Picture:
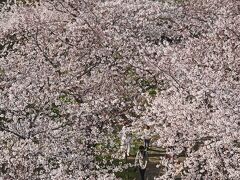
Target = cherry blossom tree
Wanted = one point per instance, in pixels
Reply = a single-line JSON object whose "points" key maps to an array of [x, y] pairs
{"points": [[198, 113], [71, 71]]}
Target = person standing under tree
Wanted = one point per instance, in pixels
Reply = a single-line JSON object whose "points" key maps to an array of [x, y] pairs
{"points": [[147, 137], [141, 161], [126, 139]]}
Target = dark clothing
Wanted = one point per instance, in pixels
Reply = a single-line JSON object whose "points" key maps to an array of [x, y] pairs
{"points": [[141, 162], [142, 172], [146, 143]]}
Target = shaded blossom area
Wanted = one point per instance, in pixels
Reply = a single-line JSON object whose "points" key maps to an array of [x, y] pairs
{"points": [[73, 73]]}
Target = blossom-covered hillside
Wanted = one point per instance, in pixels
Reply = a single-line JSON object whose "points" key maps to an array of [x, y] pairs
{"points": [[72, 72]]}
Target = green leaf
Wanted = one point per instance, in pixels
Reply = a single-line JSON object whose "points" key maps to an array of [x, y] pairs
{"points": [[152, 92]]}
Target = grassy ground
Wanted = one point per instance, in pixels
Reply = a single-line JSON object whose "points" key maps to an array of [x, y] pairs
{"points": [[132, 173], [152, 170]]}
